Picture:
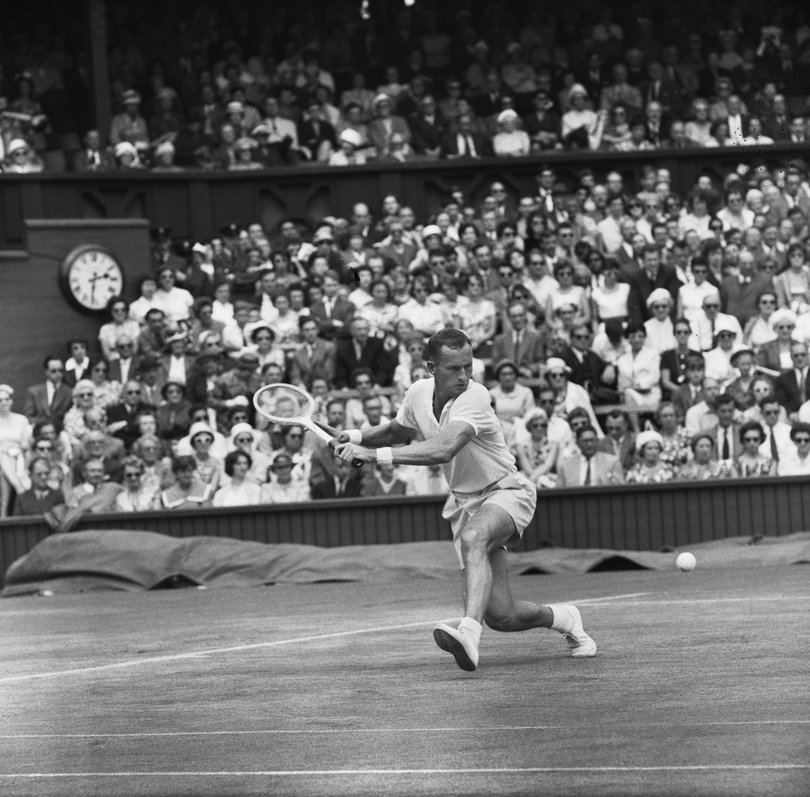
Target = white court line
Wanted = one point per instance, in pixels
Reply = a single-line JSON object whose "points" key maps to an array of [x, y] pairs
{"points": [[286, 773], [349, 731], [615, 600]]}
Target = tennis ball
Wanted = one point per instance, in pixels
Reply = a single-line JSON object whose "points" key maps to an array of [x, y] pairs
{"points": [[686, 561], [46, 593]]}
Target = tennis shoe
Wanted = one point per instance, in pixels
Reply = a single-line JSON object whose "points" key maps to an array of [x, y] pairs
{"points": [[568, 621], [461, 646]]}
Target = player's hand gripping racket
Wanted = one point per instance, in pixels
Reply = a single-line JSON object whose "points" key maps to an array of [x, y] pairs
{"points": [[288, 405]]}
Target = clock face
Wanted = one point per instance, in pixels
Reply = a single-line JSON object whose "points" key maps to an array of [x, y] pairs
{"points": [[92, 276]]}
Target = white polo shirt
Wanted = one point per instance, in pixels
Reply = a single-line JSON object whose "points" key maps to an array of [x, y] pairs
{"points": [[486, 458]]}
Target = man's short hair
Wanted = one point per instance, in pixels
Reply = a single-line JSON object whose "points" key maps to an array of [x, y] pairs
{"points": [[453, 339], [694, 361], [588, 427], [723, 399]]}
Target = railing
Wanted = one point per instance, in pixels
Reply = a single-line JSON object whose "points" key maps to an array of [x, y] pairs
{"points": [[625, 517], [196, 204]]}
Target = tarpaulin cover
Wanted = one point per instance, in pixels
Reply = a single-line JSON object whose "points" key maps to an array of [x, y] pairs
{"points": [[142, 560]]}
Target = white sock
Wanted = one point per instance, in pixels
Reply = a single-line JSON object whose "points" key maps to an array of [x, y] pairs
{"points": [[470, 627], [561, 621]]}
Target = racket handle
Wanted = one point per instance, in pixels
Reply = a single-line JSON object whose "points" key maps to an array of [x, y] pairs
{"points": [[356, 463]]}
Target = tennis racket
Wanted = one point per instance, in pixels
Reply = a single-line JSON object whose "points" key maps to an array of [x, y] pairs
{"points": [[288, 405]]}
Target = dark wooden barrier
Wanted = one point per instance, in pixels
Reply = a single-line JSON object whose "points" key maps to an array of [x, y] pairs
{"points": [[196, 204], [626, 517]]}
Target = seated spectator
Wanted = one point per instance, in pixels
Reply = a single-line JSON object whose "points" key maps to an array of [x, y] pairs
{"points": [[175, 302], [567, 395], [699, 128], [92, 157], [384, 481], [509, 140], [704, 466], [793, 284], [742, 361], [520, 344], [510, 399], [122, 418], [660, 329], [651, 468], [791, 386], [41, 497], [83, 401], [796, 460], [187, 492], [608, 296], [363, 383], [581, 127], [138, 494], [240, 491], [281, 487], [588, 369], [99, 445], [751, 462], [775, 355], [676, 450], [639, 376], [568, 293], [245, 438], [164, 158], [693, 292], [758, 330], [424, 314], [120, 325], [619, 440], [21, 159], [208, 468], [535, 453], [345, 483], [718, 359], [362, 351], [586, 466], [78, 363], [173, 416]]}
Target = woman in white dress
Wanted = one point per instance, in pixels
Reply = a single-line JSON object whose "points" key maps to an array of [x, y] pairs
{"points": [[759, 331], [509, 141], [660, 329], [241, 491], [639, 375], [380, 312], [609, 296], [285, 324], [15, 441], [479, 317], [568, 293], [424, 314]]}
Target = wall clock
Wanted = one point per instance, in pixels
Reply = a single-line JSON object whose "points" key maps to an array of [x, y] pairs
{"points": [[90, 276]]}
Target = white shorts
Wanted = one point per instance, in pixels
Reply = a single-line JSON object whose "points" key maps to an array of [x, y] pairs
{"points": [[514, 493]]}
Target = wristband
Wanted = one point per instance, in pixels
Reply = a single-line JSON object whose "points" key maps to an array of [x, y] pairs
{"points": [[355, 436], [385, 456]]}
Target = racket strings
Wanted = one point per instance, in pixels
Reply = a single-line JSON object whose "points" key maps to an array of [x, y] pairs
{"points": [[284, 403]]}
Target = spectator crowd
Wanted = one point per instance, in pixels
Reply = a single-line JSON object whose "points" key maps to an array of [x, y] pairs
{"points": [[627, 334], [242, 86]]}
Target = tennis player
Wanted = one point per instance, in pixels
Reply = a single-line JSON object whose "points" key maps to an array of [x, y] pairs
{"points": [[450, 420]]}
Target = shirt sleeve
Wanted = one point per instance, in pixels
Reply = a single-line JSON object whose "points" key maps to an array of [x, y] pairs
{"points": [[406, 415]]}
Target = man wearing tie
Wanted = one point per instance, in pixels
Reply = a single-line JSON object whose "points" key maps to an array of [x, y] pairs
{"points": [[777, 441], [521, 345], [122, 418], [790, 387], [362, 351], [465, 142], [333, 313], [726, 432], [50, 401], [93, 158], [588, 467]]}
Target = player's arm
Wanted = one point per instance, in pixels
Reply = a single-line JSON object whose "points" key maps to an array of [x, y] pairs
{"points": [[386, 434], [436, 451]]}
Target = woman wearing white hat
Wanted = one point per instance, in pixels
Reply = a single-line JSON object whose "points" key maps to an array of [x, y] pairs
{"points": [[775, 355], [536, 455], [509, 140], [349, 153], [660, 330], [718, 359], [650, 469]]}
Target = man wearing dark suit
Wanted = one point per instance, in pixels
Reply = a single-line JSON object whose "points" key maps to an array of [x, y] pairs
{"points": [[315, 357], [92, 157], [588, 368], [791, 387], [362, 351], [619, 440], [40, 498], [588, 467], [465, 142], [346, 483], [48, 402], [122, 418], [520, 344], [643, 281], [427, 128], [316, 136], [740, 291], [333, 313], [125, 366], [726, 432]]}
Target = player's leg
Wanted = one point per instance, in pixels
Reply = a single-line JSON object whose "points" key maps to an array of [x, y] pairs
{"points": [[504, 613], [490, 527]]}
